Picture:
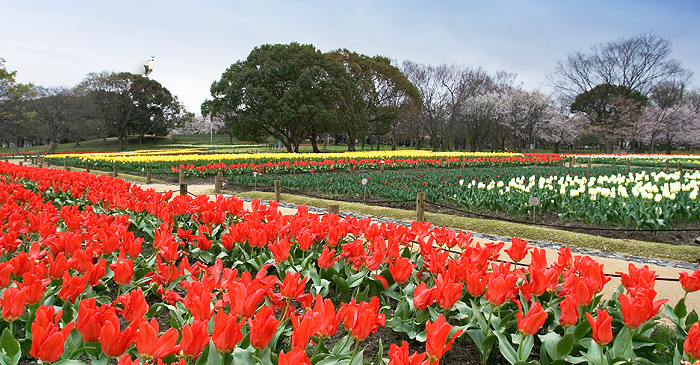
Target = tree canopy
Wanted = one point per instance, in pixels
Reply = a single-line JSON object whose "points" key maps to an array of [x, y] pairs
{"points": [[294, 92]]}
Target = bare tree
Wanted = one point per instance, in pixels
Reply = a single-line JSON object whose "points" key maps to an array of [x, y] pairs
{"points": [[54, 110], [638, 63]]}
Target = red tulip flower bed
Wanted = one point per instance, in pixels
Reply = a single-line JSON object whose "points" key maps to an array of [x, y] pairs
{"points": [[95, 268]]}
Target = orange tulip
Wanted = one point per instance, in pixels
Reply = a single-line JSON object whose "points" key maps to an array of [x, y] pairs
{"points": [[227, 331], [533, 320], [602, 327], [690, 282], [691, 346], [47, 339], [262, 327], [437, 342]]}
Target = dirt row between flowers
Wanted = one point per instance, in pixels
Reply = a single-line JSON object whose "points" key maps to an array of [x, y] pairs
{"points": [[667, 285]]}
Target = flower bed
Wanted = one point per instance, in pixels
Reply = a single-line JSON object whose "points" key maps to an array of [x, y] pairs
{"points": [[200, 164], [95, 268]]}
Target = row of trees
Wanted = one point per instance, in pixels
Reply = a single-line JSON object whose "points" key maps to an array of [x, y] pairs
{"points": [[627, 94], [103, 105]]}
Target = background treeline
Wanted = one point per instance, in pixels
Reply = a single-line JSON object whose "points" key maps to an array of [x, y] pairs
{"points": [[625, 95]]}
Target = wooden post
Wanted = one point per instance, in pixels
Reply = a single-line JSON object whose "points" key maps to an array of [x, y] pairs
{"points": [[420, 206], [381, 168], [33, 160], [666, 165], [183, 189], [629, 163], [680, 166], [218, 182], [65, 164], [149, 175], [20, 163], [41, 162], [500, 164], [181, 175], [87, 167], [115, 171], [334, 208], [614, 161], [48, 163], [590, 162], [278, 191], [571, 161], [462, 164]]}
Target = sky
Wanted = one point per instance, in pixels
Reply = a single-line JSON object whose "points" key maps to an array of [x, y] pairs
{"points": [[57, 43]]}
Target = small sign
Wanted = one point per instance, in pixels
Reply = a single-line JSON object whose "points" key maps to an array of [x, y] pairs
{"points": [[534, 201]]}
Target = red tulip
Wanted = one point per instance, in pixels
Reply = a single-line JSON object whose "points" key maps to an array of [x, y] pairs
{"points": [[280, 250], [422, 296], [398, 355], [362, 318], [262, 327], [518, 249], [448, 292], [135, 305], [123, 269], [638, 278], [47, 339], [401, 269], [690, 283], [476, 284], [691, 346], [150, 346], [500, 289], [198, 301], [90, 320], [114, 341], [304, 327], [295, 356], [13, 302], [602, 327], [326, 319], [569, 311], [327, 258], [194, 338], [227, 331], [533, 320], [72, 287], [438, 339], [640, 308]]}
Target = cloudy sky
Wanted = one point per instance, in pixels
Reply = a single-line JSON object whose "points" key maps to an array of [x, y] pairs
{"points": [[56, 43]]}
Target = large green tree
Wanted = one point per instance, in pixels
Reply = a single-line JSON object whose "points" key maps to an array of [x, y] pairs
{"points": [[374, 96], [13, 97], [283, 90], [605, 105], [128, 103]]}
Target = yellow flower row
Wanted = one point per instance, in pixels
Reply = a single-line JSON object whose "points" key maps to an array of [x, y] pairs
{"points": [[191, 155]]}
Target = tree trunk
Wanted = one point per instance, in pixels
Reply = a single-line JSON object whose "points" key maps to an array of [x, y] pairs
{"points": [[16, 146], [52, 150], [140, 138], [556, 147], [314, 145], [77, 144], [104, 143]]}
